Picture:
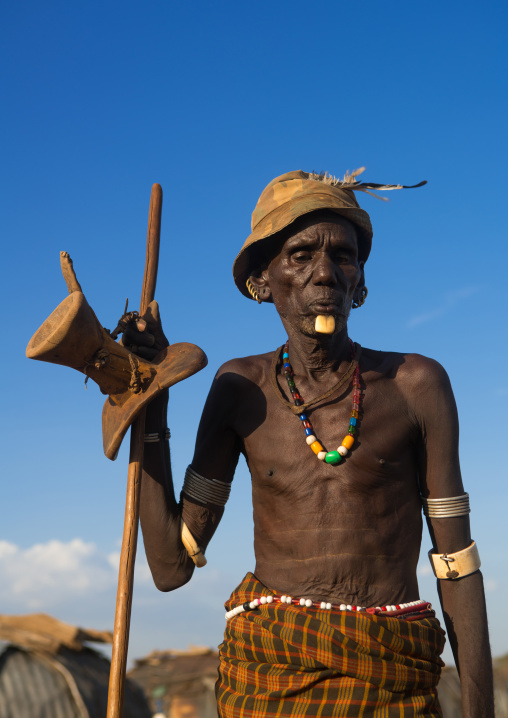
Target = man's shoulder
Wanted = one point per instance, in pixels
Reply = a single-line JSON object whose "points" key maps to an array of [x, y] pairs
{"points": [[255, 368], [414, 371]]}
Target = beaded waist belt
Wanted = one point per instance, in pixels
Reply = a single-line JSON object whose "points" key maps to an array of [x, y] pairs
{"points": [[414, 610]]}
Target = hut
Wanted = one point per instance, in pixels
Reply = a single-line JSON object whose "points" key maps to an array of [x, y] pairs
{"points": [[47, 671], [179, 684]]}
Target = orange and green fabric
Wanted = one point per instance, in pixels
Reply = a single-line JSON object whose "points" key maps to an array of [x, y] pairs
{"points": [[284, 660]]}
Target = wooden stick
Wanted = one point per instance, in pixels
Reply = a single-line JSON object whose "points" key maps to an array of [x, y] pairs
{"points": [[153, 238], [130, 529]]}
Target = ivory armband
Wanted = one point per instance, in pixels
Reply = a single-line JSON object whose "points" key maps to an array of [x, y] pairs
{"points": [[455, 565]]}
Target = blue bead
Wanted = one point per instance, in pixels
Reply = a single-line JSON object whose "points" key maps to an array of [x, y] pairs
{"points": [[352, 421], [302, 417], [285, 355], [287, 366], [308, 432]]}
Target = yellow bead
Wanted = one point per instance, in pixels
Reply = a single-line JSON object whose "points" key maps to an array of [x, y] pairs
{"points": [[316, 447], [354, 413], [348, 441]]}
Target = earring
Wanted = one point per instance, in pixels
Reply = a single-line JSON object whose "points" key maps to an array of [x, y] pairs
{"points": [[252, 291], [361, 299]]}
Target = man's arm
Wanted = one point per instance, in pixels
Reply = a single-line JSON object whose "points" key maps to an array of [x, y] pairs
{"points": [[462, 600], [215, 457]]}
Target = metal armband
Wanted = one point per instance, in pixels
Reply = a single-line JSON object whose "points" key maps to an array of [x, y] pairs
{"points": [[455, 565], [446, 508], [206, 491]]}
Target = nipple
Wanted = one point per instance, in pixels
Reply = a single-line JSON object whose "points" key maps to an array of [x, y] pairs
{"points": [[325, 324]]}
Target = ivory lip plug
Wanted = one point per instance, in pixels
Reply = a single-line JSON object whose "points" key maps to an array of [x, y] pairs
{"points": [[325, 324]]}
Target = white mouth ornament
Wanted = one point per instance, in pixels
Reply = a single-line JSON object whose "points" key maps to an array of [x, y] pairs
{"points": [[325, 324]]}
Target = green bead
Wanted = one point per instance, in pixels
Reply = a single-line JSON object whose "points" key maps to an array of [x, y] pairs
{"points": [[291, 384], [351, 429], [333, 458]]}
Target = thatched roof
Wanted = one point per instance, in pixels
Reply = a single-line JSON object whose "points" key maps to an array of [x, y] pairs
{"points": [[40, 631]]}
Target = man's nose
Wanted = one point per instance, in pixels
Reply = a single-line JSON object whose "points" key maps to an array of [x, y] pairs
{"points": [[325, 270]]}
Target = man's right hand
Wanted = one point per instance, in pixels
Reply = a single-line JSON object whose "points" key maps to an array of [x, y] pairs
{"points": [[144, 335]]}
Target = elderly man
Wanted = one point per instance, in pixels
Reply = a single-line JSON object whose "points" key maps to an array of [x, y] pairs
{"points": [[344, 445]]}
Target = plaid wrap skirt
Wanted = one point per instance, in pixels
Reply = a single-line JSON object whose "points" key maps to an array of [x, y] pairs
{"points": [[287, 660]]}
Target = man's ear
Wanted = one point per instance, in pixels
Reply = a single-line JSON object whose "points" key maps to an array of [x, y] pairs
{"points": [[361, 291], [261, 286]]}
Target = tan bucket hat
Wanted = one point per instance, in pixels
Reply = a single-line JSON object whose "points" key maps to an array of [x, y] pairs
{"points": [[297, 193], [284, 200]]}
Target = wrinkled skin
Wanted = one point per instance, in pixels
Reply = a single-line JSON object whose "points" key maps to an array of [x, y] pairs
{"points": [[349, 533]]}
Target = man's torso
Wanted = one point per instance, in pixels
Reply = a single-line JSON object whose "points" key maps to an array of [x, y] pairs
{"points": [[351, 532]]}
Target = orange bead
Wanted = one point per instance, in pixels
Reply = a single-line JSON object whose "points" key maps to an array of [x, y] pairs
{"points": [[348, 441], [354, 413], [316, 447]]}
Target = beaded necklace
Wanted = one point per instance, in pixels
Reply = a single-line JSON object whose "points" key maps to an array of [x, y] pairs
{"points": [[330, 457]]}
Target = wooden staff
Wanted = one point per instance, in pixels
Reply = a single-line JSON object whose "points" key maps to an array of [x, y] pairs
{"points": [[130, 528]]}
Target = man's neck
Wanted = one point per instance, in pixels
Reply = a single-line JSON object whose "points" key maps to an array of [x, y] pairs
{"points": [[318, 356]]}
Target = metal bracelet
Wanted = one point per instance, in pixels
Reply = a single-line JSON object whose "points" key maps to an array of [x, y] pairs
{"points": [[446, 508], [206, 491], [157, 436]]}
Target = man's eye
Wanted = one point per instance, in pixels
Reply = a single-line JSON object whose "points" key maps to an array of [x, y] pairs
{"points": [[301, 257]]}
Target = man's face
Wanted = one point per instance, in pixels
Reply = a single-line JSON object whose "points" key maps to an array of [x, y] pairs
{"points": [[316, 272]]}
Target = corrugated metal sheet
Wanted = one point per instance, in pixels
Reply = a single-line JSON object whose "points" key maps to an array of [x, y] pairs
{"points": [[68, 684], [31, 689]]}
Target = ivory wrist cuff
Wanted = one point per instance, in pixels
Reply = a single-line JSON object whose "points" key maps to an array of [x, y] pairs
{"points": [[455, 565], [191, 546]]}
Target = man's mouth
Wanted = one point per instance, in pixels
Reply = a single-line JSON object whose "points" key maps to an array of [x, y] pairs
{"points": [[324, 307]]}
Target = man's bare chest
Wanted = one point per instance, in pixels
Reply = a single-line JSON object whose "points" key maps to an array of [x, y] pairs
{"points": [[382, 456]]}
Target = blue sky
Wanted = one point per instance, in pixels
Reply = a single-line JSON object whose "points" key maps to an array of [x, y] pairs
{"points": [[213, 100]]}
